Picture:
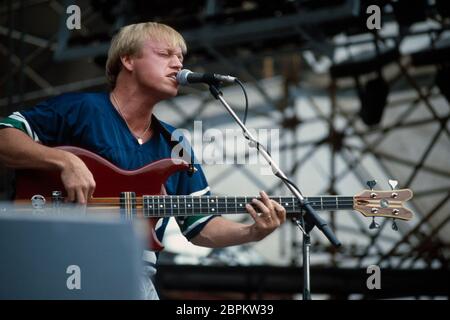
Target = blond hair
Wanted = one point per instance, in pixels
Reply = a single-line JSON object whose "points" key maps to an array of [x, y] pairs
{"points": [[129, 41]]}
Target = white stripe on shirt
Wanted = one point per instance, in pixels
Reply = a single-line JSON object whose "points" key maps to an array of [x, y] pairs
{"points": [[196, 223], [19, 117], [200, 193]]}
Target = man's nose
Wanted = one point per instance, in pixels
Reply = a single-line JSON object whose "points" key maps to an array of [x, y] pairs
{"points": [[176, 62]]}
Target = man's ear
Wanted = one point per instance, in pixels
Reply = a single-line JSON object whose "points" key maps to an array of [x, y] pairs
{"points": [[127, 62]]}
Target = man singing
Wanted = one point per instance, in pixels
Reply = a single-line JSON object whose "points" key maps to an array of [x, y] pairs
{"points": [[119, 125]]}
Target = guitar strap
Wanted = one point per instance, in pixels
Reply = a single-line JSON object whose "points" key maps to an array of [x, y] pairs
{"points": [[173, 143]]}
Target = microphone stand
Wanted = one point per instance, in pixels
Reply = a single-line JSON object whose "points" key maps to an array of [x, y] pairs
{"points": [[308, 219]]}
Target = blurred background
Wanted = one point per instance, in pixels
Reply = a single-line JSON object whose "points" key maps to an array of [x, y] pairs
{"points": [[352, 104]]}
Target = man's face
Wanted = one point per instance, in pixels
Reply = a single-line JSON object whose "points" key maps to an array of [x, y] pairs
{"points": [[156, 67]]}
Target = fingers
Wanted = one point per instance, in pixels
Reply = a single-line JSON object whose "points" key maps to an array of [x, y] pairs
{"points": [[77, 180], [280, 211], [271, 215], [81, 196], [266, 207], [71, 195], [252, 212], [259, 218], [91, 189], [270, 211], [86, 192], [266, 200], [80, 192], [262, 208]]}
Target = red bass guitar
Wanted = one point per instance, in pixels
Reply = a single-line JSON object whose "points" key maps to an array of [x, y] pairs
{"points": [[141, 193]]}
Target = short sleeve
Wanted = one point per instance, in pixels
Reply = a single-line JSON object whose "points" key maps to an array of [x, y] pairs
{"points": [[17, 120], [195, 185], [52, 122]]}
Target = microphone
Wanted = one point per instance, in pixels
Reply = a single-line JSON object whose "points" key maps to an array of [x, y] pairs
{"points": [[186, 77]]}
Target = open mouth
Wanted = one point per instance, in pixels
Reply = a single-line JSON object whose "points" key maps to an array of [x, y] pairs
{"points": [[173, 76]]}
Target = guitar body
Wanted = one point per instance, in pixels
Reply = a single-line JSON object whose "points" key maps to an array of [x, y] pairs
{"points": [[110, 181]]}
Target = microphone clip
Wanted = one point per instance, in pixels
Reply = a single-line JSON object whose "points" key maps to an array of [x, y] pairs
{"points": [[214, 88]]}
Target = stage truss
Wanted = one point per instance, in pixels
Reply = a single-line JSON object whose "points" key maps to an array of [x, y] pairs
{"points": [[417, 117]]}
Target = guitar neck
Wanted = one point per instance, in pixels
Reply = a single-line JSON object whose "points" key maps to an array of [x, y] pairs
{"points": [[44, 187], [168, 206]]}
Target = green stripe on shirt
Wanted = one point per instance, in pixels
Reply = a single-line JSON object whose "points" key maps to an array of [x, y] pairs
{"points": [[13, 123]]}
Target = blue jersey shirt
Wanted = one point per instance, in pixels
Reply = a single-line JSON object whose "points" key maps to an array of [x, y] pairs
{"points": [[90, 121]]}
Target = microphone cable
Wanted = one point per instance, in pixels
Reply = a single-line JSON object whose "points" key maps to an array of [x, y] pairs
{"points": [[246, 100], [258, 146]]}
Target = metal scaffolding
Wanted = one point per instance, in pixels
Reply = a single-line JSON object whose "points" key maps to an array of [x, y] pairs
{"points": [[254, 45]]}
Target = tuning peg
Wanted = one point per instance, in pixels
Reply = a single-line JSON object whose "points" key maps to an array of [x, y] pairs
{"points": [[393, 184], [374, 224], [394, 226], [371, 183]]}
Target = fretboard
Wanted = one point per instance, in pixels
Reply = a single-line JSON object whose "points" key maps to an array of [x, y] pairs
{"points": [[168, 206]]}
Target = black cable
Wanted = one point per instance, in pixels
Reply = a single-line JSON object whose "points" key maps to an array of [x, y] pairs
{"points": [[246, 100], [258, 146], [307, 222]]}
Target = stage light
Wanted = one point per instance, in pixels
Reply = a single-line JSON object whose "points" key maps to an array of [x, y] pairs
{"points": [[373, 95], [373, 100], [443, 81]]}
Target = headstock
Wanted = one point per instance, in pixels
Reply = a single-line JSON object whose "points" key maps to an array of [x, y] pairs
{"points": [[381, 203]]}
